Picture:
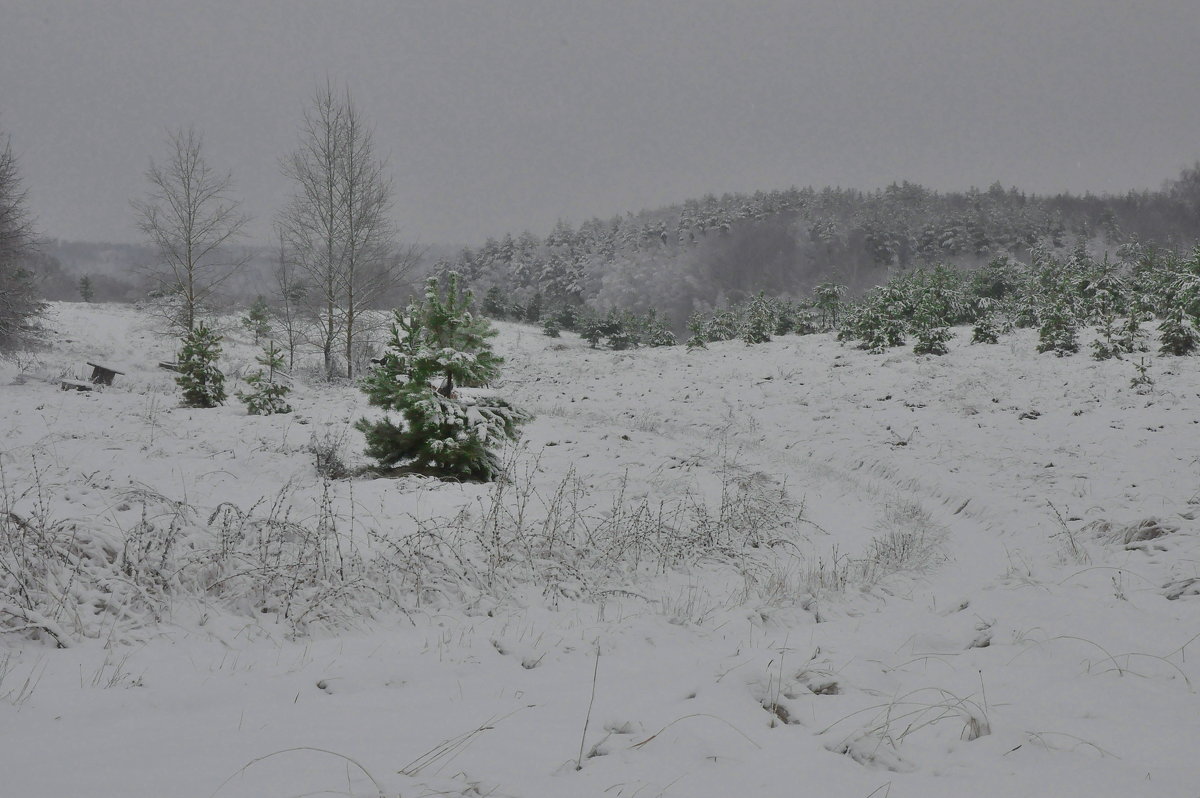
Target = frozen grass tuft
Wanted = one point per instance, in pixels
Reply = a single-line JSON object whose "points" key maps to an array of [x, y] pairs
{"points": [[62, 579]]}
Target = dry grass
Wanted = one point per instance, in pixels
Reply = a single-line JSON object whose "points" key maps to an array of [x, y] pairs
{"points": [[306, 564]]}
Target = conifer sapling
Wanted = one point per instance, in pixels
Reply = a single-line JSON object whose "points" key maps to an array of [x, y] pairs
{"points": [[202, 382], [268, 389], [445, 434]]}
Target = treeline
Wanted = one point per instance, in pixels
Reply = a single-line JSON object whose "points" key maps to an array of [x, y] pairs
{"points": [[716, 251], [1123, 303]]}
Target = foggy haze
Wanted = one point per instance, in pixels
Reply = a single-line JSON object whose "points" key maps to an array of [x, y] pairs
{"points": [[499, 117]]}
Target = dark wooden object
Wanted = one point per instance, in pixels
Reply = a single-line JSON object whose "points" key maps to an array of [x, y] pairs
{"points": [[103, 375]]}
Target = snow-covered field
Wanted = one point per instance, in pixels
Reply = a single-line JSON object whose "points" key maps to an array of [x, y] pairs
{"points": [[788, 569]]}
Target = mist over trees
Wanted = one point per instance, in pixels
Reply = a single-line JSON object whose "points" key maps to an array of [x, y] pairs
{"points": [[338, 256], [714, 251]]}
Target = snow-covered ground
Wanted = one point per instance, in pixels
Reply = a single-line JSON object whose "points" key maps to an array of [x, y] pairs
{"points": [[913, 576]]}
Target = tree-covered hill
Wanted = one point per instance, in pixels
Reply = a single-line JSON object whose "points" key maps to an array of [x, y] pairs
{"points": [[704, 253]]}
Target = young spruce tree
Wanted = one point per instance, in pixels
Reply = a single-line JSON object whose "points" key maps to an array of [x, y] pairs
{"points": [[268, 392], [202, 382], [439, 339]]}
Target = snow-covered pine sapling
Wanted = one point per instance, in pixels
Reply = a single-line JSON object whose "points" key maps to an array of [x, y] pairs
{"points": [[723, 326], [550, 327], [879, 321], [929, 328], [268, 388], [1107, 343], [495, 303], [86, 290], [1177, 333], [592, 329], [697, 327], [659, 335], [443, 434], [654, 332], [202, 382], [760, 320], [621, 338], [827, 299], [986, 330], [1059, 332], [1142, 382], [258, 319]]}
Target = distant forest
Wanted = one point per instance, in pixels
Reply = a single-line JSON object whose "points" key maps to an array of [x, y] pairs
{"points": [[710, 252]]}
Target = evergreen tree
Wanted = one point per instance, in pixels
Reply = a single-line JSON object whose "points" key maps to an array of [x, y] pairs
{"points": [[697, 326], [723, 326], [258, 319], [592, 329], [567, 317], [828, 302], [533, 311], [655, 332], [550, 327], [1059, 332], [760, 321], [86, 291], [495, 304], [1107, 344], [1142, 382], [268, 393], [929, 328], [202, 382], [1177, 334], [20, 305], [985, 331], [1132, 336], [880, 320], [441, 434]]}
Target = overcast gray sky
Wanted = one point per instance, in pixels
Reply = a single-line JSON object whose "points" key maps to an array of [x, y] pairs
{"points": [[501, 116]]}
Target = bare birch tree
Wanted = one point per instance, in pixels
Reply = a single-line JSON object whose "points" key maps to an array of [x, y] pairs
{"points": [[290, 295], [338, 224], [190, 217]]}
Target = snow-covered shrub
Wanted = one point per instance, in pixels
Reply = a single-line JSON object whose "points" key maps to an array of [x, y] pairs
{"points": [[329, 454], [879, 320], [1177, 334], [760, 320], [1059, 331], [698, 328], [986, 330], [930, 328], [257, 320], [202, 382], [441, 433], [268, 388]]}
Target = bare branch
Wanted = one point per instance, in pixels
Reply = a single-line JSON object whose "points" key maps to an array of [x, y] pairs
{"points": [[190, 217]]}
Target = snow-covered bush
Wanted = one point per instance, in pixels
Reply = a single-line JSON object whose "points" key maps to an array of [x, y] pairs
{"points": [[1059, 331], [441, 433], [268, 389], [760, 320], [202, 382], [1177, 334]]}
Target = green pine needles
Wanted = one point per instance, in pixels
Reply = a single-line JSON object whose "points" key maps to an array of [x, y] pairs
{"points": [[439, 340], [202, 382], [268, 390]]}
